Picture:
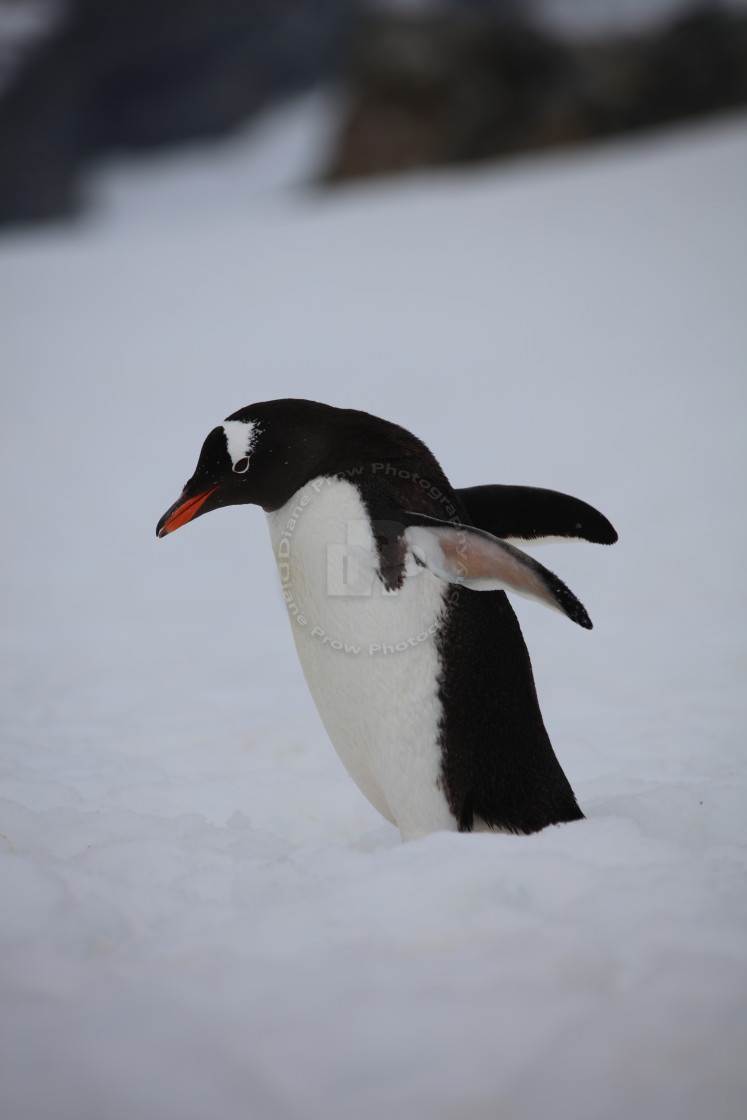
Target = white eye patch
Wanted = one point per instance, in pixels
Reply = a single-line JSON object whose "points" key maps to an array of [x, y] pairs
{"points": [[241, 436]]}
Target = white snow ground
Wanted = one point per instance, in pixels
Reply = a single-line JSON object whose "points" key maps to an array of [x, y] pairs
{"points": [[200, 915]]}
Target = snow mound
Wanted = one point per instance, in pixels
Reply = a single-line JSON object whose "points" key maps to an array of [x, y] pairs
{"points": [[201, 916]]}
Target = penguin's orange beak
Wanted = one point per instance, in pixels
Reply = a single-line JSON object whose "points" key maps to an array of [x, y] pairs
{"points": [[181, 512]]}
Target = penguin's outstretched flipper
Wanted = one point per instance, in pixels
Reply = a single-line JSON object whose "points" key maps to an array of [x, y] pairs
{"points": [[535, 516], [475, 559]]}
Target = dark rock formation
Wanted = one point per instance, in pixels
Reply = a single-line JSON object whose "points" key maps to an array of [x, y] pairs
{"points": [[143, 73], [475, 80], [446, 89]]}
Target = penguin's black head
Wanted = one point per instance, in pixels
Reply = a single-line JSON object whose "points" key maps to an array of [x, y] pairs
{"points": [[260, 455]]}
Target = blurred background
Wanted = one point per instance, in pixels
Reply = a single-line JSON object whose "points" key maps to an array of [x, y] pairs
{"points": [[416, 83]]}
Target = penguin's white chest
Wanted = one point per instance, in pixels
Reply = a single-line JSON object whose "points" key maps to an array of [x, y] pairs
{"points": [[369, 655]]}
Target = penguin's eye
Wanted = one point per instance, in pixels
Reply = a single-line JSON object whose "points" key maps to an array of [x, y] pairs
{"points": [[241, 466]]}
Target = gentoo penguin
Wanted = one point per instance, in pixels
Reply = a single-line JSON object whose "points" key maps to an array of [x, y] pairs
{"points": [[395, 586]]}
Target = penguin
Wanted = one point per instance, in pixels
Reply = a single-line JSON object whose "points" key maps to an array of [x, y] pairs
{"points": [[396, 585]]}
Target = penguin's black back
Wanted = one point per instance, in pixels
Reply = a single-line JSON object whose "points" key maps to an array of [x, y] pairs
{"points": [[498, 762]]}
